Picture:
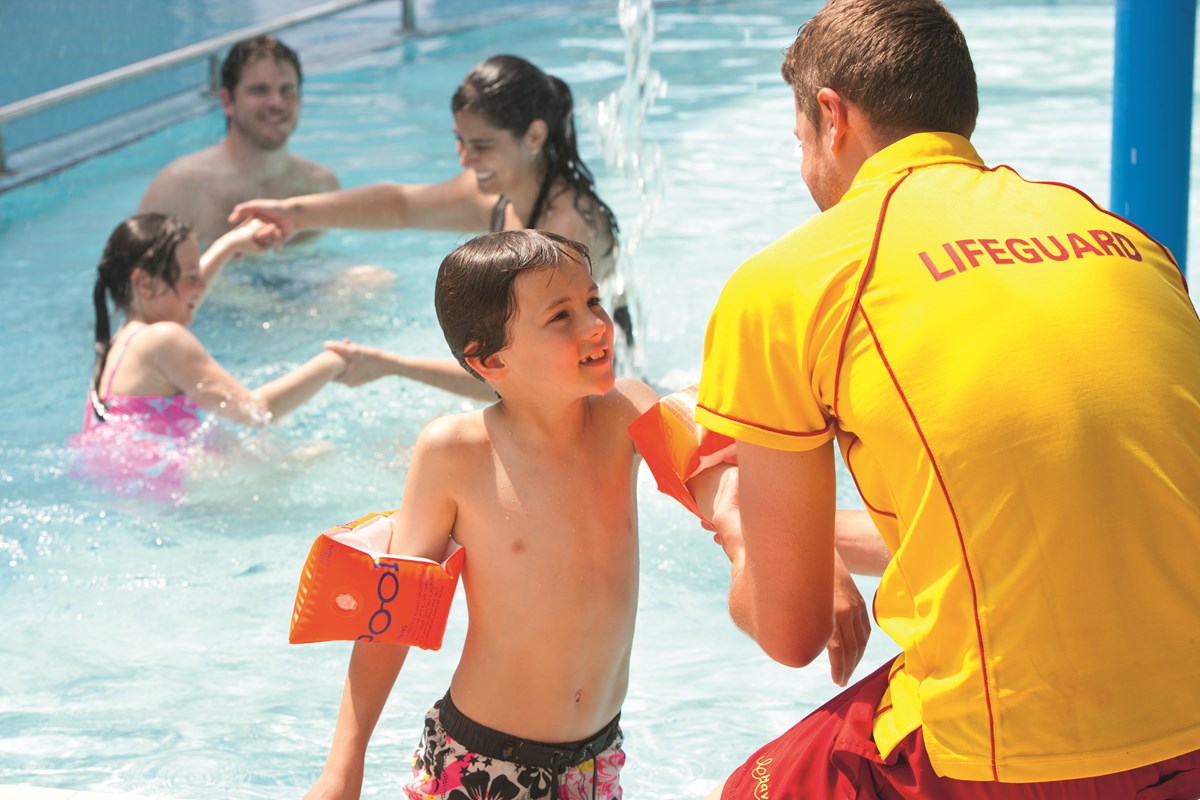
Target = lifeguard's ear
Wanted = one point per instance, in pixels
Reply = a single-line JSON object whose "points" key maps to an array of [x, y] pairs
{"points": [[490, 368], [535, 135], [226, 101], [835, 118]]}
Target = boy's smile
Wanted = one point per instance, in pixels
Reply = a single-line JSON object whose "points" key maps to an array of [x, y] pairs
{"points": [[560, 333]]}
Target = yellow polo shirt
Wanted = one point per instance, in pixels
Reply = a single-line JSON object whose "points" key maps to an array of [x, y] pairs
{"points": [[1013, 378]]}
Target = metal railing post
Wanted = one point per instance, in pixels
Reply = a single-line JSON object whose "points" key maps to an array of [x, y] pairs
{"points": [[3, 164], [214, 73], [408, 22]]}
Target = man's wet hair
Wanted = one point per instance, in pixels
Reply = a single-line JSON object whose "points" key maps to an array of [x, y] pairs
{"points": [[247, 51]]}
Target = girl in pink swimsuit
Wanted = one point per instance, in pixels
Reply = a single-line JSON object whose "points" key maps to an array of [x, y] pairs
{"points": [[146, 409]]}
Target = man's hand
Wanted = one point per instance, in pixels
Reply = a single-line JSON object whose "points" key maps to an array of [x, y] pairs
{"points": [[851, 625], [276, 212]]}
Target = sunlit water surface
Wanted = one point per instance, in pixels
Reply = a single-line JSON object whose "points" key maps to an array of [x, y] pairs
{"points": [[143, 647]]}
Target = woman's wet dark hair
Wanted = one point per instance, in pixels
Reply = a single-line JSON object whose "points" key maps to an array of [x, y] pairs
{"points": [[147, 241], [474, 295], [510, 93]]}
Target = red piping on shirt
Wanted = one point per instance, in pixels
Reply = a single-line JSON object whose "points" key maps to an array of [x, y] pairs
{"points": [[856, 308], [854, 478], [766, 428]]}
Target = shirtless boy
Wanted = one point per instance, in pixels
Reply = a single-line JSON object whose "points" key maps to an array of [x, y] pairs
{"points": [[540, 490], [260, 94]]}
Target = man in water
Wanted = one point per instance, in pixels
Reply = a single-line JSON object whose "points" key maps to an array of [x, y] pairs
{"points": [[260, 95]]}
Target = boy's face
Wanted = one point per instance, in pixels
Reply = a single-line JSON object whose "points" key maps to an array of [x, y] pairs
{"points": [[560, 336]]}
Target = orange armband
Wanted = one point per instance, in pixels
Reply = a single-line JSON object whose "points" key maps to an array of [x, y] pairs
{"points": [[351, 589], [676, 448]]}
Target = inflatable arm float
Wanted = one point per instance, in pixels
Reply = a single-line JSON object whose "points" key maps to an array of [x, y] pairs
{"points": [[351, 589], [676, 448]]}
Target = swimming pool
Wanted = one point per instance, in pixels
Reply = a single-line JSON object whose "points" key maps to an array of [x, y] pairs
{"points": [[143, 647]]}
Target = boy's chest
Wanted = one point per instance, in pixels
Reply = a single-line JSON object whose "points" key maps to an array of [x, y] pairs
{"points": [[554, 507]]}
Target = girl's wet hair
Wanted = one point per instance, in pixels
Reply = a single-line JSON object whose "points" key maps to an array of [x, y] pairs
{"points": [[147, 241], [475, 297], [510, 93]]}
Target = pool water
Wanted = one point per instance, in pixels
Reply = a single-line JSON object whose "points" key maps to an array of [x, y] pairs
{"points": [[143, 647]]}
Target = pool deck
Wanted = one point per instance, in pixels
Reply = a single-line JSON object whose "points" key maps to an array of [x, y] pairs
{"points": [[21, 792]]}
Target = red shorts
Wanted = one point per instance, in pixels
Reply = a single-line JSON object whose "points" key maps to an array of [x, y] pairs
{"points": [[830, 754]]}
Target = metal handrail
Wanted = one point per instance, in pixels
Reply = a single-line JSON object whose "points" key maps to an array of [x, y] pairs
{"points": [[149, 66]]}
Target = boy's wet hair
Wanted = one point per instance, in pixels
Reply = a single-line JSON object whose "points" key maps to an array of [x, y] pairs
{"points": [[905, 63], [510, 93], [248, 51], [475, 297], [146, 241]]}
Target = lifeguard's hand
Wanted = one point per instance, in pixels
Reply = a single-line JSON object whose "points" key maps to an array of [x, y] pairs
{"points": [[276, 212], [851, 625], [363, 364]]}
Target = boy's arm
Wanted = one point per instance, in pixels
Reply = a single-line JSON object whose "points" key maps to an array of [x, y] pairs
{"points": [[420, 527], [369, 680]]}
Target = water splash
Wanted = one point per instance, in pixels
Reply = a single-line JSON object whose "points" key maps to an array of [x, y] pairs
{"points": [[619, 120]]}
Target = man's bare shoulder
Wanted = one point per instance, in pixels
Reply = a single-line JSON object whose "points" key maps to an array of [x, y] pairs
{"points": [[311, 177], [180, 187], [197, 166]]}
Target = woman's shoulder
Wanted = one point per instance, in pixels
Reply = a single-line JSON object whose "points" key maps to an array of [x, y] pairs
{"points": [[578, 215]]}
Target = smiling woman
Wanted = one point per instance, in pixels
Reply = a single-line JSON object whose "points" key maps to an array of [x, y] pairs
{"points": [[521, 169]]}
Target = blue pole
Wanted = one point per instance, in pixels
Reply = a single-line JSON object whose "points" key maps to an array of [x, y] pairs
{"points": [[1152, 117]]}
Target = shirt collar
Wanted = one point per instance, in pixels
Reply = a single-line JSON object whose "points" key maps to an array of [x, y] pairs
{"points": [[916, 150]]}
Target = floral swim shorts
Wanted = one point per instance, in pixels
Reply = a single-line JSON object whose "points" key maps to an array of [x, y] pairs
{"points": [[459, 759]]}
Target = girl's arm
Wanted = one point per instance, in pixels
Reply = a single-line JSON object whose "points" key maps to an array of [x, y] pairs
{"points": [[253, 236], [454, 205], [180, 357], [365, 364]]}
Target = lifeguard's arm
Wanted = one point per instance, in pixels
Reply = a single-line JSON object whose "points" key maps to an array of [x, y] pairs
{"points": [[782, 561], [180, 357], [365, 364], [859, 544], [453, 205], [855, 536], [420, 527]]}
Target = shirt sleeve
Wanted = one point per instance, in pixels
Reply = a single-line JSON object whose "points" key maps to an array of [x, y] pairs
{"points": [[764, 354]]}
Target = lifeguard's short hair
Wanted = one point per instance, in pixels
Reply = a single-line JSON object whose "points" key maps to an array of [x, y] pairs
{"points": [[904, 63]]}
